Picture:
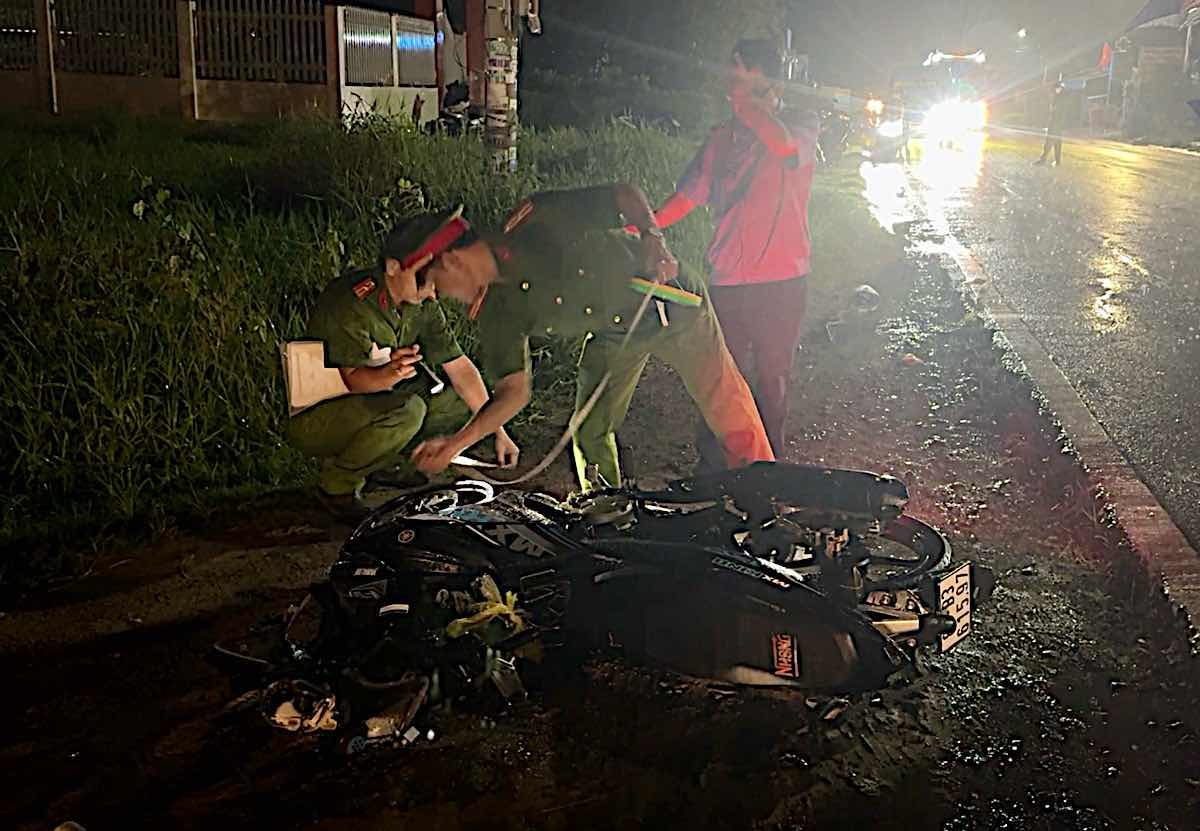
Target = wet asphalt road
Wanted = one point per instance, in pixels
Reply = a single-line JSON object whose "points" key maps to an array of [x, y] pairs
{"points": [[1101, 257]]}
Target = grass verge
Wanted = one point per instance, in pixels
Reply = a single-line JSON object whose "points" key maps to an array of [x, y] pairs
{"points": [[152, 269]]}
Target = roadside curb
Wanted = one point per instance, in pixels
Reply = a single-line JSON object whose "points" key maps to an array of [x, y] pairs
{"points": [[1162, 548]]}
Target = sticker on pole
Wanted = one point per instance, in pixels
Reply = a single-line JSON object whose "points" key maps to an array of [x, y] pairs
{"points": [[954, 599]]}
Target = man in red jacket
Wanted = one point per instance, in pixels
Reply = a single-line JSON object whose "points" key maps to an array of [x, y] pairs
{"points": [[755, 174]]}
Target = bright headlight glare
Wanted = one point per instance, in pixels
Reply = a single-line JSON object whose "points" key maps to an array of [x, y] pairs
{"points": [[955, 117], [980, 115], [891, 129]]}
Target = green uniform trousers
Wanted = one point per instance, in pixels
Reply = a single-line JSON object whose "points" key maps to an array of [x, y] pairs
{"points": [[693, 346], [360, 434]]}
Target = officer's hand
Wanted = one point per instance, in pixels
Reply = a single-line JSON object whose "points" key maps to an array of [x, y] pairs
{"points": [[432, 456], [507, 452], [658, 259], [403, 362]]}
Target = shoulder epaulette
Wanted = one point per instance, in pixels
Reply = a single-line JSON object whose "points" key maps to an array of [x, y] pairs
{"points": [[518, 217], [364, 287]]}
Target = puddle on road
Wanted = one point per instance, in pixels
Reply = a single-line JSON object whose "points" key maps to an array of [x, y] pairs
{"points": [[1117, 272]]}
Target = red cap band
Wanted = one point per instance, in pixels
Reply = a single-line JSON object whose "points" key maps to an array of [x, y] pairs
{"points": [[439, 241]]}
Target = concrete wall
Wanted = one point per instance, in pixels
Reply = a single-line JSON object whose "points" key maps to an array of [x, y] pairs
{"points": [[19, 91], [217, 100], [390, 100], [249, 100], [82, 92]]}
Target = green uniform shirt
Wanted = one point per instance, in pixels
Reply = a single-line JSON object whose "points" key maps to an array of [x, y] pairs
{"points": [[564, 272], [349, 318]]}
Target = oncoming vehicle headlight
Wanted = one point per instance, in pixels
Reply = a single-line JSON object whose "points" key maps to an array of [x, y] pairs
{"points": [[891, 129], [980, 115], [956, 117]]}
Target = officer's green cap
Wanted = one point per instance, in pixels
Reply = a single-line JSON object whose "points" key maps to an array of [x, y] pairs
{"points": [[427, 233]]}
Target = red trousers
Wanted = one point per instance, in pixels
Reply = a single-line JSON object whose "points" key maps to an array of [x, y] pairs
{"points": [[762, 324]]}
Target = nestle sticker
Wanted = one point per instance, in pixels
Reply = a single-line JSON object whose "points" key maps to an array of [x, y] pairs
{"points": [[783, 653]]}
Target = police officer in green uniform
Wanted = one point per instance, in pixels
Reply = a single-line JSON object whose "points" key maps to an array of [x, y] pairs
{"points": [[562, 266], [377, 326]]}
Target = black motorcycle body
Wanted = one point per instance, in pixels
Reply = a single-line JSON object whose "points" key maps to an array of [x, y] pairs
{"points": [[772, 575]]}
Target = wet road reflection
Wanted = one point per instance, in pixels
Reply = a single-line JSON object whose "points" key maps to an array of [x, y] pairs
{"points": [[1098, 257], [1117, 271], [944, 175], [946, 172]]}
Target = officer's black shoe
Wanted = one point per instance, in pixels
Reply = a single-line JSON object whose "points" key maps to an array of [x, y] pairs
{"points": [[396, 479], [346, 507]]}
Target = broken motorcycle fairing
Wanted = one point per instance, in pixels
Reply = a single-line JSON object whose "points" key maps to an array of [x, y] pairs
{"points": [[771, 575]]}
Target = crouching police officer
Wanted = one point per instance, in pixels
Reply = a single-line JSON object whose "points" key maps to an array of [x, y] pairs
{"points": [[562, 266], [377, 326]]}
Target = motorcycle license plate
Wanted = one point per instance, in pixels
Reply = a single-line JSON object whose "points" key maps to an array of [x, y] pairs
{"points": [[954, 599]]}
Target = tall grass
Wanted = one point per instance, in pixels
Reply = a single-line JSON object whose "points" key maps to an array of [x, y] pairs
{"points": [[150, 270]]}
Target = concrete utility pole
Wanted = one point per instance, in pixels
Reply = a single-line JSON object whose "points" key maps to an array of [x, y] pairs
{"points": [[492, 55], [500, 83]]}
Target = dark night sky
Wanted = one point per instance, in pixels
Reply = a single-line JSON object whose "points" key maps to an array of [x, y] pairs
{"points": [[854, 40], [860, 42]]}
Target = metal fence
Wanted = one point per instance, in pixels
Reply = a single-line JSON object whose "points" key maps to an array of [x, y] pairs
{"points": [[18, 35], [260, 40], [277, 41], [367, 40], [384, 50], [117, 37], [415, 40]]}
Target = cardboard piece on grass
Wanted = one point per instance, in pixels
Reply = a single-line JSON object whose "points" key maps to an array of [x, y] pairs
{"points": [[309, 381]]}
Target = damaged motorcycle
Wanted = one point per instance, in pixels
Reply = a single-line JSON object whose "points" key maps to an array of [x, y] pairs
{"points": [[772, 575]]}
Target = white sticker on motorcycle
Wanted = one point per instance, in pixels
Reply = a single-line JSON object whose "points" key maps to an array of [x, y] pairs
{"points": [[954, 599], [514, 540]]}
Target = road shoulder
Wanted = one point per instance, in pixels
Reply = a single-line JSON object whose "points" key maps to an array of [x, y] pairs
{"points": [[1158, 542]]}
